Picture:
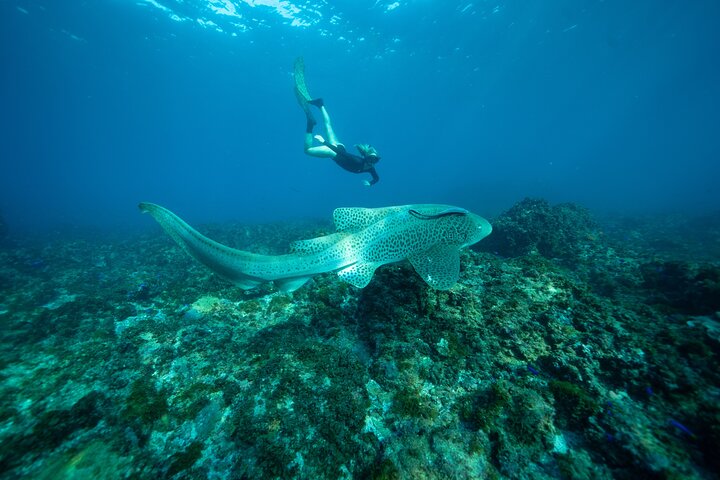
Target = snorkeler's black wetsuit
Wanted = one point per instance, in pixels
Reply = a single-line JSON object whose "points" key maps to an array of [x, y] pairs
{"points": [[354, 163]]}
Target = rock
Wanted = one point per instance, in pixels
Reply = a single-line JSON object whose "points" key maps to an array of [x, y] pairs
{"points": [[562, 231]]}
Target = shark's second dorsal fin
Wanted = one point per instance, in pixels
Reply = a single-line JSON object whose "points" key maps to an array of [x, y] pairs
{"points": [[439, 266], [290, 284], [314, 245]]}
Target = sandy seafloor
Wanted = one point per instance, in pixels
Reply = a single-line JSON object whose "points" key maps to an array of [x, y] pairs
{"points": [[572, 347]]}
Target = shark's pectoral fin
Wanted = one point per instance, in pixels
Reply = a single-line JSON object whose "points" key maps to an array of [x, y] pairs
{"points": [[290, 284], [439, 266], [358, 274]]}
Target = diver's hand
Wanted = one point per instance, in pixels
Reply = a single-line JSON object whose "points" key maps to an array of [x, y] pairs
{"points": [[367, 183], [319, 138]]}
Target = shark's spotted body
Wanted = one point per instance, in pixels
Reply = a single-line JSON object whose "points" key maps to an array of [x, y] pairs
{"points": [[427, 235]]}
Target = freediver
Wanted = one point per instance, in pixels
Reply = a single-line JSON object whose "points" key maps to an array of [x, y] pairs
{"points": [[330, 147]]}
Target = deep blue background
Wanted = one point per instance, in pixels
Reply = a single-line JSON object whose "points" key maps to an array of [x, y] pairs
{"points": [[612, 104]]}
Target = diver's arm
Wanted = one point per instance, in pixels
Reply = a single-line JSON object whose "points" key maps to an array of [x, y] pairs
{"points": [[375, 176]]}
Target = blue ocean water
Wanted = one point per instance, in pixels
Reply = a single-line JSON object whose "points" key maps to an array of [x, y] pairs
{"points": [[580, 339], [610, 104]]}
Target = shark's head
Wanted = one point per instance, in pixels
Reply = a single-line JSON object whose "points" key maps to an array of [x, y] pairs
{"points": [[456, 226], [478, 228]]}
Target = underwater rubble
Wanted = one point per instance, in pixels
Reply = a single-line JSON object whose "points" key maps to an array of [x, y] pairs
{"points": [[571, 348]]}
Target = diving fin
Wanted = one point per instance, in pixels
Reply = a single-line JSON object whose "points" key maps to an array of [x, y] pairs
{"points": [[318, 102], [301, 91], [300, 87]]}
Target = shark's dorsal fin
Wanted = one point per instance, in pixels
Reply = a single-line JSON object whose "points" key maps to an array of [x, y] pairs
{"points": [[439, 266], [358, 274], [314, 245], [351, 219]]}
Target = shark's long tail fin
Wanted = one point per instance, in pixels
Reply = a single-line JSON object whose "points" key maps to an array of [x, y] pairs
{"points": [[225, 261]]}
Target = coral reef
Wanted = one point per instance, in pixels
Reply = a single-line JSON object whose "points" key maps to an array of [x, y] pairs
{"points": [[565, 351], [564, 231], [686, 286]]}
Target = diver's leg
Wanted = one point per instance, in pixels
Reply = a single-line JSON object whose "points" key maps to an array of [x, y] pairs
{"points": [[318, 102], [308, 133], [332, 139], [320, 151]]}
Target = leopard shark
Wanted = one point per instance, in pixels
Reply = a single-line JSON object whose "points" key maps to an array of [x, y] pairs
{"points": [[429, 236]]}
